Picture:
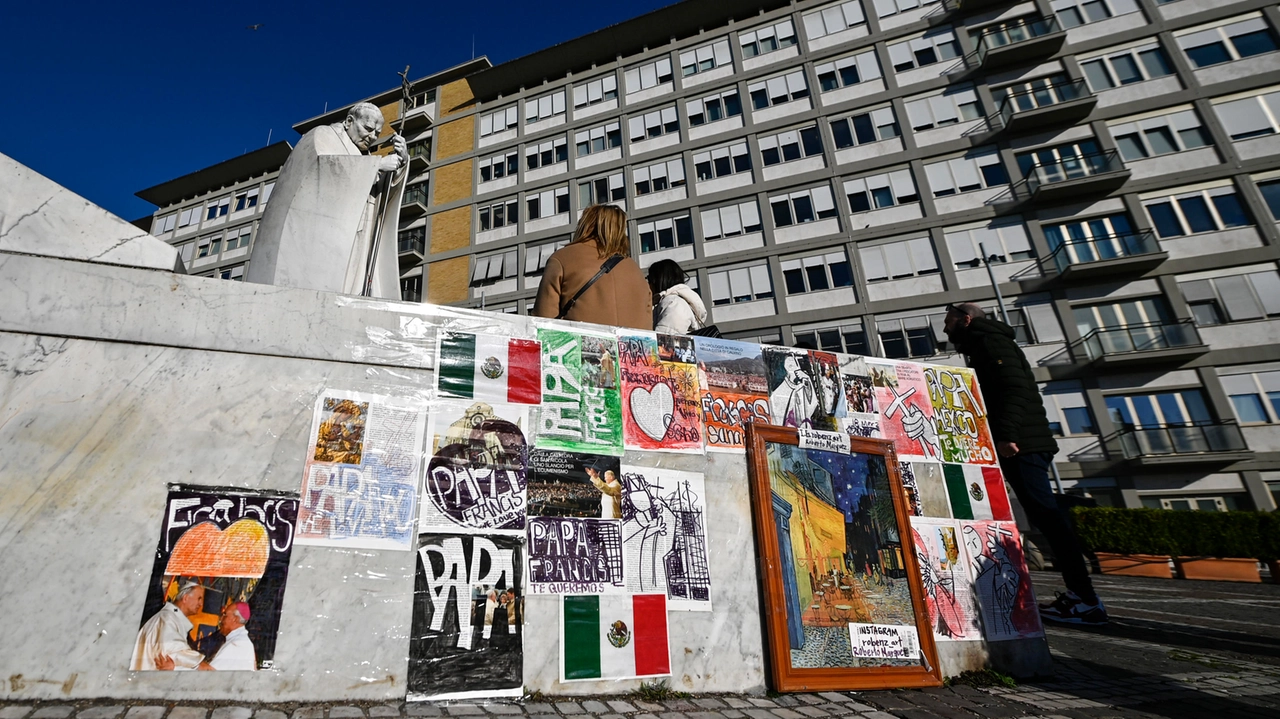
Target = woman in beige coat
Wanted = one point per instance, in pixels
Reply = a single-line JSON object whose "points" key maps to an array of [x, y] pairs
{"points": [[620, 298]]}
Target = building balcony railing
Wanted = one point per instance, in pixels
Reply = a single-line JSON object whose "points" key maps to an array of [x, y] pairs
{"points": [[1199, 441], [1146, 344], [414, 202], [414, 244], [1039, 108], [1017, 41], [1076, 175], [417, 113], [1131, 253], [420, 156]]}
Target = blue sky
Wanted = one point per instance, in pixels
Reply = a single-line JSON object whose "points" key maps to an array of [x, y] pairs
{"points": [[111, 98]]}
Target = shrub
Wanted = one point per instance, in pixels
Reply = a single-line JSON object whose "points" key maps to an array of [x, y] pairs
{"points": [[1186, 534], [1124, 531]]}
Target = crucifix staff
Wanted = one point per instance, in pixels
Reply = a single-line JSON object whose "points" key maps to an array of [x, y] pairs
{"points": [[385, 189]]}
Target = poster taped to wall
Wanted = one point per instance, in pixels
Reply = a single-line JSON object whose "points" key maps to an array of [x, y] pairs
{"points": [[581, 408], [475, 480], [613, 637], [906, 414], [569, 484], [660, 393], [945, 575], [217, 584], [489, 368], [959, 415], [800, 394], [977, 492], [925, 480], [1001, 582], [467, 637], [575, 555], [664, 535], [862, 418], [734, 390]]}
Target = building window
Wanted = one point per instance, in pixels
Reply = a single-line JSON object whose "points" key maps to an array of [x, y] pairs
{"points": [[713, 108], [1233, 41], [797, 208], [746, 283], [164, 224], [247, 200], [778, 90], [886, 8], [654, 124], [833, 19], [209, 246], [1254, 396], [415, 193], [1166, 409], [1252, 116], [790, 145], [499, 121], [217, 208], [865, 128], [498, 167], [946, 108], [411, 289], [898, 260], [817, 273], [648, 75], [1058, 159], [413, 240], [847, 71], [765, 40], [1189, 213], [909, 336], [1091, 238], [849, 338], [659, 176], [1249, 296], [722, 162], [545, 154], [501, 214], [238, 238], [665, 234], [731, 220], [1073, 13], [235, 274], [602, 190], [594, 92], [1161, 135], [547, 203], [705, 57], [934, 47], [1118, 315], [876, 192], [492, 268], [535, 257], [1005, 242], [1126, 67], [266, 192], [1068, 410], [545, 107], [189, 216], [1271, 193], [975, 170], [598, 139]]}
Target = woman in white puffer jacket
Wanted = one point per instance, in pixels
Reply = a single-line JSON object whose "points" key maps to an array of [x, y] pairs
{"points": [[677, 309]]}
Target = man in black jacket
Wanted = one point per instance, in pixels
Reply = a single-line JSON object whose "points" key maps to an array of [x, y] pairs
{"points": [[1026, 447]]}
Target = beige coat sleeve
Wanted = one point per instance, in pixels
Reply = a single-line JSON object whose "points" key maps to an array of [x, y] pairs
{"points": [[547, 303]]}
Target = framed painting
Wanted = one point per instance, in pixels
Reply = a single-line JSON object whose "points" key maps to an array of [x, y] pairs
{"points": [[843, 605]]}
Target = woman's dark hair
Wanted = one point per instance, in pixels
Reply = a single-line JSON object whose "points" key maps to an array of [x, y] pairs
{"points": [[665, 274]]}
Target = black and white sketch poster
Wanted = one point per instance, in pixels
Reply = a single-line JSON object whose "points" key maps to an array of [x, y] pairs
{"points": [[466, 639], [664, 536]]}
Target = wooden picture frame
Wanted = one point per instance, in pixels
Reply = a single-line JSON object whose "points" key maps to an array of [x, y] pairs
{"points": [[841, 598]]}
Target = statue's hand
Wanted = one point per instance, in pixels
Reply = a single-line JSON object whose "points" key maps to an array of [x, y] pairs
{"points": [[391, 163]]}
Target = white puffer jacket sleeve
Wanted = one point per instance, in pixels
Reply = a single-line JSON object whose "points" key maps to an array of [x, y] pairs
{"points": [[679, 311]]}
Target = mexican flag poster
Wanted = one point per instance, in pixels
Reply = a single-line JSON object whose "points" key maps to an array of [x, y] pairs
{"points": [[613, 637], [490, 368]]}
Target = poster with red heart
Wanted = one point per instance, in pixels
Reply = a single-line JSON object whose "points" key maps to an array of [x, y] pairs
{"points": [[217, 585], [660, 393]]}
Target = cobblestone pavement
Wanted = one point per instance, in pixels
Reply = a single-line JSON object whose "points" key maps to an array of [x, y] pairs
{"points": [[1152, 661]]}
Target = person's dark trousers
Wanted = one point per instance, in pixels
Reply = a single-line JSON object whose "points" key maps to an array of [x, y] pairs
{"points": [[1028, 474]]}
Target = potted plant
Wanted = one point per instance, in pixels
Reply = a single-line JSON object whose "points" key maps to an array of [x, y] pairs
{"points": [[1220, 546], [1127, 542]]}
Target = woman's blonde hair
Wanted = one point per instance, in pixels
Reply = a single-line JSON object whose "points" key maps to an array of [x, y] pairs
{"points": [[607, 225]]}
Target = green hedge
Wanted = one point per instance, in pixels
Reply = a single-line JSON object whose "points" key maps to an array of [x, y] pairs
{"points": [[1185, 534]]}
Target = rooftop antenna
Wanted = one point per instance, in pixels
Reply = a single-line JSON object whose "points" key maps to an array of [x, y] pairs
{"points": [[326, 107], [269, 131], [473, 46]]}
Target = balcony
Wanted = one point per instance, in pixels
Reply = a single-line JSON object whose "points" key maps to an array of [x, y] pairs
{"points": [[971, 6], [419, 156], [411, 247], [1130, 254], [1149, 344], [417, 112], [1048, 106], [1018, 41], [1202, 442], [1074, 176], [414, 203]]}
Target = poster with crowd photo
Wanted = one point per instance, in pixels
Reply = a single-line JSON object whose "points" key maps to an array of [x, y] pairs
{"points": [[1001, 582], [360, 479], [581, 408], [945, 576], [660, 393], [906, 414], [475, 480], [797, 397], [570, 484], [959, 415], [467, 636], [734, 390], [217, 584], [664, 536], [575, 555], [861, 418]]}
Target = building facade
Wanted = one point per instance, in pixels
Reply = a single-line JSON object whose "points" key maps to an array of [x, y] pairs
{"points": [[837, 172]]}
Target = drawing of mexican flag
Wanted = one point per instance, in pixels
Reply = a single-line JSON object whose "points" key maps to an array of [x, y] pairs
{"points": [[614, 637], [490, 368]]}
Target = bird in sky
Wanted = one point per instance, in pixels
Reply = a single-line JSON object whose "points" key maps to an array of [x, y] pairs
{"points": [[253, 27]]}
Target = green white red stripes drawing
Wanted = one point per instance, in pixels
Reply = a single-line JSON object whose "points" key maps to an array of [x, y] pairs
{"points": [[614, 637], [490, 368]]}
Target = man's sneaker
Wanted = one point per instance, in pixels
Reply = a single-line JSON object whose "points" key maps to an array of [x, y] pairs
{"points": [[1071, 609]]}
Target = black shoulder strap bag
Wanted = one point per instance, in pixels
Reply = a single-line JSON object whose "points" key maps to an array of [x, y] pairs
{"points": [[605, 269]]}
